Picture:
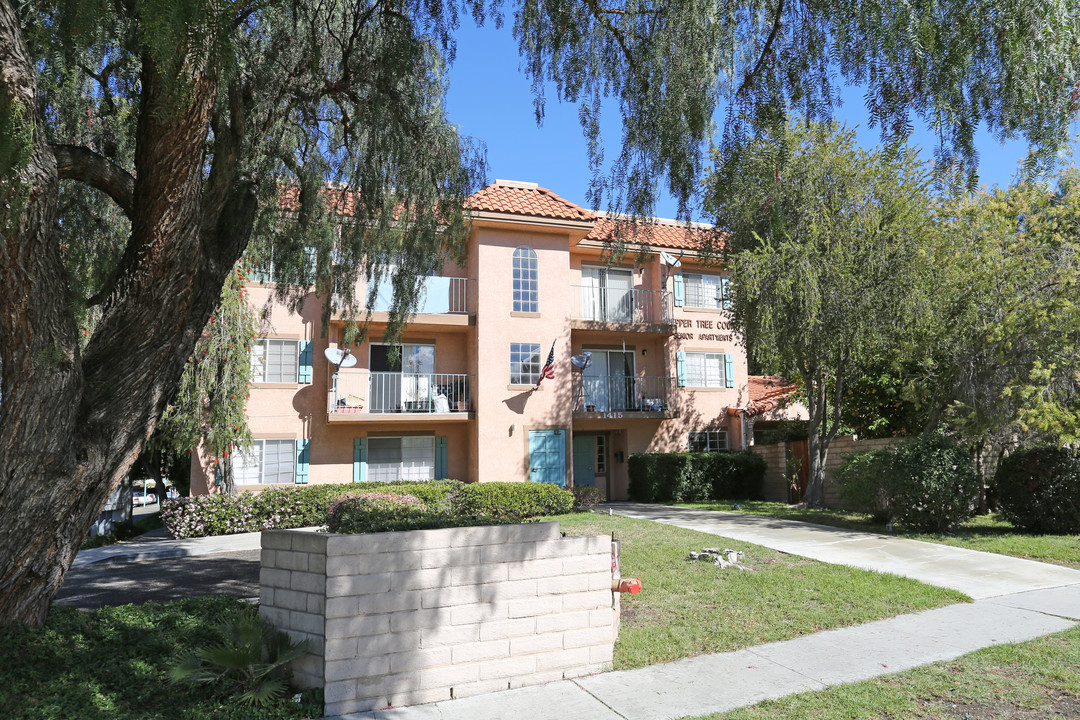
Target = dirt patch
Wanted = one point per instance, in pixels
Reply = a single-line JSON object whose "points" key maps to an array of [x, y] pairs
{"points": [[1056, 705]]}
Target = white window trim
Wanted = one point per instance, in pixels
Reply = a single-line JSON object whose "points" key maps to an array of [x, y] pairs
{"points": [[519, 304], [532, 378], [720, 383], [372, 468], [258, 376], [712, 301], [715, 440], [261, 455]]}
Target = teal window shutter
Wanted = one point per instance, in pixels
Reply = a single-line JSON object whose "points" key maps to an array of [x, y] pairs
{"points": [[359, 463], [725, 293], [729, 370], [679, 296], [303, 454], [680, 368], [306, 353], [440, 458]]}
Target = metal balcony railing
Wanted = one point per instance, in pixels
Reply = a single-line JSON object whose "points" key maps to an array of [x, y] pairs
{"points": [[614, 305], [362, 391], [621, 393], [439, 295]]}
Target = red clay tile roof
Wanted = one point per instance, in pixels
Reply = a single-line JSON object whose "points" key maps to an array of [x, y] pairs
{"points": [[665, 233], [516, 198], [340, 201], [768, 392]]}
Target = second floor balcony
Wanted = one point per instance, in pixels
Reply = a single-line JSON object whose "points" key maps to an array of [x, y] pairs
{"points": [[624, 396], [362, 395], [610, 308]]}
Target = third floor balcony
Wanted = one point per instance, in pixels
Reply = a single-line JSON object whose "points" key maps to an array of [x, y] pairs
{"points": [[621, 309]]}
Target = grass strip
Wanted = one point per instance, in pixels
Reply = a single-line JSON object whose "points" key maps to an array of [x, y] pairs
{"points": [[988, 533], [1035, 679], [112, 664], [689, 608]]}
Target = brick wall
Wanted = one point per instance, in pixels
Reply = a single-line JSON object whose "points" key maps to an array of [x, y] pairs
{"points": [[416, 617]]}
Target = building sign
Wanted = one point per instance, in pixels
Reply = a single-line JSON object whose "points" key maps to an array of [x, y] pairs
{"points": [[702, 325]]}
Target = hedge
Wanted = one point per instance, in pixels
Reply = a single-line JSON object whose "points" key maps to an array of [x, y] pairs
{"points": [[446, 503], [695, 477]]}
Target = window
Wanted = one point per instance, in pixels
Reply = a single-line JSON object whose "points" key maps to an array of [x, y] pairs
{"points": [[601, 454], [708, 441], [275, 361], [266, 272], [707, 291], [524, 363], [526, 282], [390, 459], [705, 370], [267, 462]]}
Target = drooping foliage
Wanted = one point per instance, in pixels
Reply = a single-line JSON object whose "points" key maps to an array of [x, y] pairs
{"points": [[827, 275]]}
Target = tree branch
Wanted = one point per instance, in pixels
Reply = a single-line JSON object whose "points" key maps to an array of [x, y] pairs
{"points": [[765, 51], [75, 162]]}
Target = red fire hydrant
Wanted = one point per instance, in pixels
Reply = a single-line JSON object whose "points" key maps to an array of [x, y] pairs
{"points": [[629, 585]]}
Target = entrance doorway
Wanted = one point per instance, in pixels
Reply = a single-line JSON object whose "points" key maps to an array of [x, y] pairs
{"points": [[547, 456]]}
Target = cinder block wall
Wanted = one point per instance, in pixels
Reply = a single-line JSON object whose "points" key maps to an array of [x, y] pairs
{"points": [[776, 485], [416, 617]]}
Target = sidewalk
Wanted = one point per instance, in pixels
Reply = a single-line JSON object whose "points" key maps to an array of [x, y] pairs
{"points": [[1015, 601]]}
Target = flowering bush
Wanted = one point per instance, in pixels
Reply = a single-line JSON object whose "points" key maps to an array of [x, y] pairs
{"points": [[936, 484], [588, 496], [1039, 490]]}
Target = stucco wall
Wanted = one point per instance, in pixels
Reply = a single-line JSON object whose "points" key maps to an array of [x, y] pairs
{"points": [[429, 615]]}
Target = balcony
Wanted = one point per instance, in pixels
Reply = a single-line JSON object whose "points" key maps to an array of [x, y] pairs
{"points": [[621, 309], [624, 397], [365, 396]]}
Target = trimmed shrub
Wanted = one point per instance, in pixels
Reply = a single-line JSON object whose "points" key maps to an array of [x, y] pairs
{"points": [[588, 496], [936, 484], [695, 477], [732, 475], [382, 512], [866, 482], [511, 502], [1039, 490], [281, 508], [662, 477]]}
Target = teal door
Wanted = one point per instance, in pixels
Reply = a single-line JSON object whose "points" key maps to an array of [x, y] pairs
{"points": [[547, 457], [584, 460]]}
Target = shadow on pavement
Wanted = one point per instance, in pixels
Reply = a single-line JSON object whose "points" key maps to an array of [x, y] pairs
{"points": [[103, 584]]}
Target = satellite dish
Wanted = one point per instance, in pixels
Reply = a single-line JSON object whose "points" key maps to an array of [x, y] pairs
{"points": [[340, 358], [581, 361], [669, 259]]}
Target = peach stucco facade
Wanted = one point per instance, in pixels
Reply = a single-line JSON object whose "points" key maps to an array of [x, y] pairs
{"points": [[664, 375]]}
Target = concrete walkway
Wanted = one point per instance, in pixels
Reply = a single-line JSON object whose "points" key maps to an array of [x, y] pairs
{"points": [[1015, 600]]}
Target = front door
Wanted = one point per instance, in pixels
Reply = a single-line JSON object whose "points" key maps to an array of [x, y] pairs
{"points": [[547, 456], [584, 460]]}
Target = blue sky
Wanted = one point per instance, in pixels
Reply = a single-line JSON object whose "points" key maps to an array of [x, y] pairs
{"points": [[490, 99]]}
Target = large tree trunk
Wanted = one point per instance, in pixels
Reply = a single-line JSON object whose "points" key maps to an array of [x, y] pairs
{"points": [[73, 423]]}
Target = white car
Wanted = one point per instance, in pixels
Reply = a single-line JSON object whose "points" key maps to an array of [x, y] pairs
{"points": [[138, 498]]}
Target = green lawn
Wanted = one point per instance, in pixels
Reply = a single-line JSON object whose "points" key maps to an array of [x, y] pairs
{"points": [[112, 664], [1026, 681], [989, 533], [688, 608]]}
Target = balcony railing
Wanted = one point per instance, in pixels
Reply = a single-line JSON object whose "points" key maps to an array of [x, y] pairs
{"points": [[614, 305], [438, 296], [621, 393], [368, 392]]}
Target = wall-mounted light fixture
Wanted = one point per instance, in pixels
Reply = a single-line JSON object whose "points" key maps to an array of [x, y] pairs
{"points": [[619, 456], [644, 351], [513, 428]]}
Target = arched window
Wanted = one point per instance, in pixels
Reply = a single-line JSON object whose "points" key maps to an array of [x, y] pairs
{"points": [[526, 283]]}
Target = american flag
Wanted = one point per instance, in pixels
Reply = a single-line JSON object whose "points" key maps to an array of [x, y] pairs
{"points": [[549, 367]]}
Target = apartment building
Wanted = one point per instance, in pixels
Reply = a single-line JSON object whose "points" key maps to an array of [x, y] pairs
{"points": [[657, 368]]}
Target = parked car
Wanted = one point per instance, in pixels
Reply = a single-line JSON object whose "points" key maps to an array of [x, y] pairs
{"points": [[172, 493], [140, 498]]}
